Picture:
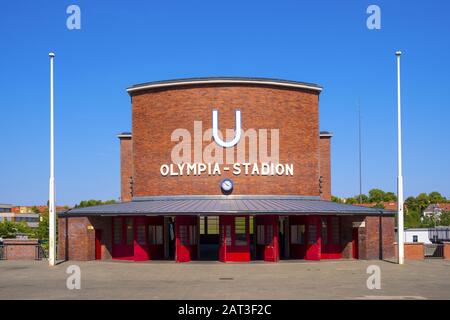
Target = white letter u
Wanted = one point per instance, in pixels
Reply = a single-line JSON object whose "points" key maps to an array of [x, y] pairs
{"points": [[215, 128]]}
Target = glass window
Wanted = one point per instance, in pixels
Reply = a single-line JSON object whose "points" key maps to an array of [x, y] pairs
{"points": [[260, 235], [336, 235], [415, 238], [226, 231], [312, 233], [250, 227], [213, 225], [202, 225], [129, 225], [151, 234], [141, 234], [294, 235], [192, 234], [159, 234], [155, 234], [183, 235], [240, 231], [324, 237], [118, 230], [269, 234], [298, 234]]}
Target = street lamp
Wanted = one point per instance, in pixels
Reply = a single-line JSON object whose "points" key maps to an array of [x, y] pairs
{"points": [[51, 203], [400, 233]]}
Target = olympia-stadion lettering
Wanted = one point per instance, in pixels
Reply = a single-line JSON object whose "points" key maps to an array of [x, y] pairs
{"points": [[213, 153], [227, 169]]}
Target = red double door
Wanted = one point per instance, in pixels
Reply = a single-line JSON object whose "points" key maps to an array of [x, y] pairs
{"points": [[234, 238], [186, 238], [138, 238], [304, 236], [267, 243], [330, 238], [315, 238]]}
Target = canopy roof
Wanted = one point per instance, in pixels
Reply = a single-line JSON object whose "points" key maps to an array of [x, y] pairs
{"points": [[223, 205]]}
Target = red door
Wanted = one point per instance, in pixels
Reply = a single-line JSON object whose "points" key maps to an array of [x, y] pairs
{"points": [[355, 244], [98, 244], [186, 238], [304, 237], [123, 238], [155, 237], [234, 238], [313, 239], [267, 238], [141, 249], [330, 238], [297, 235]]}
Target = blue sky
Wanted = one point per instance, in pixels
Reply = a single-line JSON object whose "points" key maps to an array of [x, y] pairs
{"points": [[122, 43]]}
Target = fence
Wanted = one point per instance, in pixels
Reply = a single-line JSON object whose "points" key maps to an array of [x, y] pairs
{"points": [[439, 234], [40, 252], [12, 249], [434, 250]]}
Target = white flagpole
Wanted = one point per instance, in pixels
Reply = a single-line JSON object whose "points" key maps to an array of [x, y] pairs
{"points": [[400, 232], [51, 204]]}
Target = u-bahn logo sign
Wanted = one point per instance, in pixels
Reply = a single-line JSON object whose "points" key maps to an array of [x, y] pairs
{"points": [[240, 152]]}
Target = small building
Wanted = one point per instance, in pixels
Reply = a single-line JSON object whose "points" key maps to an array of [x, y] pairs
{"points": [[435, 209], [417, 235], [6, 214]]}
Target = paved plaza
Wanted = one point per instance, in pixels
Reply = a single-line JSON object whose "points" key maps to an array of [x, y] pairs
{"points": [[343, 279]]}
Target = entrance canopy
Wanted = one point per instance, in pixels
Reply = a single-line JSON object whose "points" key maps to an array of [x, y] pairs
{"points": [[223, 205]]}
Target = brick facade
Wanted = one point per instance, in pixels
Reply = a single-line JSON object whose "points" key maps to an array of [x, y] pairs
{"points": [[377, 238], [79, 234], [156, 114]]}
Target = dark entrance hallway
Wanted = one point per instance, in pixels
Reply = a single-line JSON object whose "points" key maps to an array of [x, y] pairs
{"points": [[209, 238]]}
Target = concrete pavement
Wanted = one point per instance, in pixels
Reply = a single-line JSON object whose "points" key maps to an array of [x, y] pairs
{"points": [[343, 279]]}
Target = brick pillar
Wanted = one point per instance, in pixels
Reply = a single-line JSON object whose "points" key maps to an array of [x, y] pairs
{"points": [[447, 250], [126, 166], [325, 166]]}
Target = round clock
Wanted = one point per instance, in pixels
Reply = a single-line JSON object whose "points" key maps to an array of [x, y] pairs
{"points": [[226, 185]]}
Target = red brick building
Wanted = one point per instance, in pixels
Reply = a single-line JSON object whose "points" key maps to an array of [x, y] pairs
{"points": [[229, 169]]}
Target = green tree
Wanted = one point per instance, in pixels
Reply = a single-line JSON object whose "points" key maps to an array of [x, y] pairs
{"points": [[351, 201], [428, 222], [389, 196], [436, 197], [336, 199], [9, 229], [445, 218], [376, 195], [35, 209], [412, 219], [379, 205], [92, 202], [412, 204], [422, 201], [43, 228], [364, 198]]}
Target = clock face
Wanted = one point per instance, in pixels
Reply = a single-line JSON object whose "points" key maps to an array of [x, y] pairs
{"points": [[226, 185]]}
